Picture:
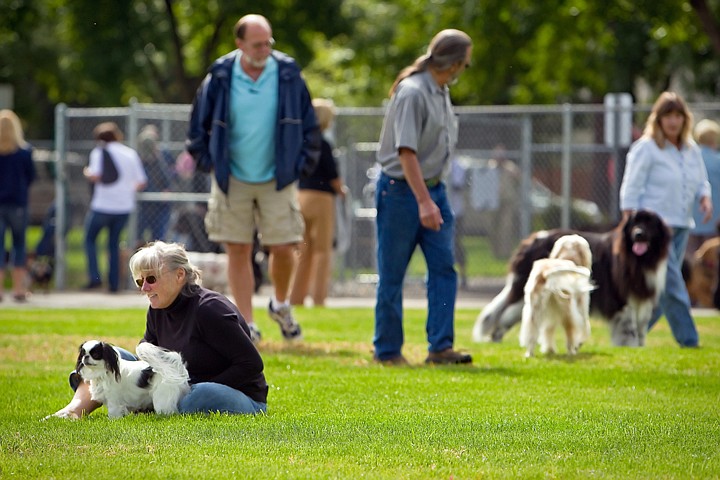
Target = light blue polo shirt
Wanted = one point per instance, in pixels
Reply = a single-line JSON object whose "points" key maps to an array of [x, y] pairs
{"points": [[253, 117]]}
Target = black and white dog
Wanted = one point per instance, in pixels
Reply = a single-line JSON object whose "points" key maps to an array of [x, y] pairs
{"points": [[158, 381], [629, 264]]}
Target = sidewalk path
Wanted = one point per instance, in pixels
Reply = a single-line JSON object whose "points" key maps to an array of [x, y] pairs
{"points": [[361, 297], [476, 298]]}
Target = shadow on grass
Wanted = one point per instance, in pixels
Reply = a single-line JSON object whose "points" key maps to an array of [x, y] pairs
{"points": [[565, 358], [360, 355], [334, 349]]}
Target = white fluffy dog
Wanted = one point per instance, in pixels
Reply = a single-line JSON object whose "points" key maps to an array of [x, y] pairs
{"points": [[558, 292], [573, 247], [158, 381]]}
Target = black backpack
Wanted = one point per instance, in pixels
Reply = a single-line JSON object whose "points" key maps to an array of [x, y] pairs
{"points": [[109, 170]]}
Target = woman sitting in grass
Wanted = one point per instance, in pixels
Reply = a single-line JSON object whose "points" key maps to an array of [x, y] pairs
{"points": [[226, 370]]}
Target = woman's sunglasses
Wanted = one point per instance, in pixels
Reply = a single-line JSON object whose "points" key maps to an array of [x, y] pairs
{"points": [[150, 279]]}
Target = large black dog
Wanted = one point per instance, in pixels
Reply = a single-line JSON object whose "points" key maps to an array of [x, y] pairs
{"points": [[629, 267]]}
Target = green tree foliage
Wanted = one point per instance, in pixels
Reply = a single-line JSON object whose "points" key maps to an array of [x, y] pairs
{"points": [[527, 51], [86, 53], [89, 53]]}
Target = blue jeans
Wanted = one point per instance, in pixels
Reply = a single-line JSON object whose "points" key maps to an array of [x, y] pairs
{"points": [[675, 301], [155, 217], [204, 397], [94, 222], [399, 232], [16, 218], [210, 397], [46, 245]]}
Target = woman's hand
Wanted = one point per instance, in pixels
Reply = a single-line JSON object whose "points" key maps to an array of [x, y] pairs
{"points": [[91, 178], [706, 208]]}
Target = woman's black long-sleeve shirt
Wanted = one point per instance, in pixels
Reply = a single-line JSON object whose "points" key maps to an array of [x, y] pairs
{"points": [[214, 340]]}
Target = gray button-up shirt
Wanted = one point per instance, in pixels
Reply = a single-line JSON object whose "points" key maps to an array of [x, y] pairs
{"points": [[420, 117]]}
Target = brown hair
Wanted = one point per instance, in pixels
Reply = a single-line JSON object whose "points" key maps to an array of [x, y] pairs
{"points": [[668, 102], [11, 132], [107, 132], [446, 49]]}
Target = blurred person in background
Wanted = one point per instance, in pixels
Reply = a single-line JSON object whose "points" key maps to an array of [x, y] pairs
{"points": [[458, 182], [665, 173], [111, 202], [316, 194], [154, 216], [707, 135], [17, 172]]}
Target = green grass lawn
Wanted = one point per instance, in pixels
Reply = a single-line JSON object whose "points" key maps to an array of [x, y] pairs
{"points": [[609, 412]]}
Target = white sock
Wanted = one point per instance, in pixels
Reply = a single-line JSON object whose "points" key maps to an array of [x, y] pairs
{"points": [[276, 304]]}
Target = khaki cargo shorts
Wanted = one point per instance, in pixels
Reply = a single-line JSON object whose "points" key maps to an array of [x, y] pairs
{"points": [[233, 218]]}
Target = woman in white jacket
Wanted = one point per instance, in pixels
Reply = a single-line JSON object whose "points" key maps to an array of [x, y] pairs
{"points": [[665, 173]]}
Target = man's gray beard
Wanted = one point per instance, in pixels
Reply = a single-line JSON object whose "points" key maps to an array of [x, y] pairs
{"points": [[257, 64], [454, 79]]}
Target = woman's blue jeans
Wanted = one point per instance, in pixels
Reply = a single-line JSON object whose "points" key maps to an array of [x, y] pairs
{"points": [[16, 218], [204, 397], [211, 397], [94, 223], [675, 301], [399, 232]]}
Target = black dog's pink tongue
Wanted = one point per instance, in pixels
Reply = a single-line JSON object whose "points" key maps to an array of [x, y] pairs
{"points": [[639, 248]]}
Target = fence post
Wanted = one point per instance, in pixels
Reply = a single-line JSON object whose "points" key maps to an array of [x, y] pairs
{"points": [[60, 185], [566, 167], [618, 136], [133, 227], [526, 176]]}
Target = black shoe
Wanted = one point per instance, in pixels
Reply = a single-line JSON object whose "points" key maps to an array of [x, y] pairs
{"points": [[448, 357]]}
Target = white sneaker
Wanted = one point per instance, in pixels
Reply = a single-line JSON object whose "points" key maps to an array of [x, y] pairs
{"points": [[283, 316], [255, 334]]}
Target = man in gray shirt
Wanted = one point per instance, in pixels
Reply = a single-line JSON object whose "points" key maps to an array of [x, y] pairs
{"points": [[418, 136]]}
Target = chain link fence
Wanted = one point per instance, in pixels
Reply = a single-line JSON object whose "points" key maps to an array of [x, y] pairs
{"points": [[517, 169]]}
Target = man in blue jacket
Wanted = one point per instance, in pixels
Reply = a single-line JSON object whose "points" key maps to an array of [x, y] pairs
{"points": [[253, 124]]}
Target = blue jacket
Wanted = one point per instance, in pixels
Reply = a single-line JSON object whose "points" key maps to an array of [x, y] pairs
{"points": [[297, 135], [17, 172]]}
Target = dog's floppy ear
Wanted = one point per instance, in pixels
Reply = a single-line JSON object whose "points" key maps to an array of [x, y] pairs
{"points": [[111, 358], [81, 353], [586, 255]]}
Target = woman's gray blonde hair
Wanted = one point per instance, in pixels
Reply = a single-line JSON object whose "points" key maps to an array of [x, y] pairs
{"points": [[155, 256], [707, 132]]}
